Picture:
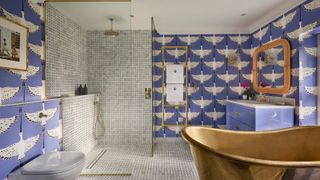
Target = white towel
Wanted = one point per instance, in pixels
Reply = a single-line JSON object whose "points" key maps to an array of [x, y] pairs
{"points": [[175, 73], [174, 93]]}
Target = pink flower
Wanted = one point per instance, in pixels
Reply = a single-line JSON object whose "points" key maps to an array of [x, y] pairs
{"points": [[245, 85]]}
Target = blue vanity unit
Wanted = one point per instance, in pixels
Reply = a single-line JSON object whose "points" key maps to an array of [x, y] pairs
{"points": [[244, 115]]}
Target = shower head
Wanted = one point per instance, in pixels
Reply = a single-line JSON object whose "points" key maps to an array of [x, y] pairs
{"points": [[111, 32]]}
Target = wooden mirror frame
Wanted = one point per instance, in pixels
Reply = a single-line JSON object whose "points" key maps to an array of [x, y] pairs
{"points": [[287, 67]]}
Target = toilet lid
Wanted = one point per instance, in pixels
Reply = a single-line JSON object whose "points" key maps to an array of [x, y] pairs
{"points": [[54, 162]]}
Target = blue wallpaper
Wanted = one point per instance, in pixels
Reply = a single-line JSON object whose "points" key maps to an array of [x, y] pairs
{"points": [[308, 86], [24, 86], [213, 80], [24, 134]]}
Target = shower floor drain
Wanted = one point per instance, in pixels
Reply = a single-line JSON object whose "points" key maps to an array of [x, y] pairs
{"points": [[95, 160]]}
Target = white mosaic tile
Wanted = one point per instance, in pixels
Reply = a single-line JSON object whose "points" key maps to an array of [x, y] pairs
{"points": [[172, 161], [120, 68], [66, 63], [77, 123], [113, 161]]}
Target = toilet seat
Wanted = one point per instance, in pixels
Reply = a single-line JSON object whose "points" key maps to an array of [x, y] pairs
{"points": [[53, 163], [65, 165]]}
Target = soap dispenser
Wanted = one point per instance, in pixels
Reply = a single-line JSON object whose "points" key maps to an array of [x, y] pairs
{"points": [[85, 90], [80, 90]]}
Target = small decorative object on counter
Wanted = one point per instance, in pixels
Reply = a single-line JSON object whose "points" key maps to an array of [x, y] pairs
{"points": [[244, 97], [249, 92]]}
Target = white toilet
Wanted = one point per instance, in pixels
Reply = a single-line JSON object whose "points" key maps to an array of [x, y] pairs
{"points": [[65, 165]]}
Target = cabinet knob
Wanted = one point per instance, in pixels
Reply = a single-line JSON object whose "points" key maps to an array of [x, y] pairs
{"points": [[237, 114]]}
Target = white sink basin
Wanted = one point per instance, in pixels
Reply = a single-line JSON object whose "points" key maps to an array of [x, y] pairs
{"points": [[250, 102]]}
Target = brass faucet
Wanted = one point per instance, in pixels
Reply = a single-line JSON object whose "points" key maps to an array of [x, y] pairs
{"points": [[263, 98]]}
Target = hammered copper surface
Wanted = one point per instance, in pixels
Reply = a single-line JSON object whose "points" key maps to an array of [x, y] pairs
{"points": [[292, 153]]}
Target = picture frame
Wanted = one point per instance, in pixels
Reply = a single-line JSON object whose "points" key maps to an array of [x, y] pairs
{"points": [[13, 45]]}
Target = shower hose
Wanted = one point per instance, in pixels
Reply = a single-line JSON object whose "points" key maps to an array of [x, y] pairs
{"points": [[97, 119]]}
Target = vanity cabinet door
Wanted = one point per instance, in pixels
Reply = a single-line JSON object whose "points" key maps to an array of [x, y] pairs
{"points": [[238, 125], [269, 119], [10, 123], [240, 113]]}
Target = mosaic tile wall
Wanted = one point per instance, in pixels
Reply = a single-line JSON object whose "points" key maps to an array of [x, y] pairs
{"points": [[212, 79], [21, 94], [111, 72], [67, 65], [78, 118], [120, 69]]}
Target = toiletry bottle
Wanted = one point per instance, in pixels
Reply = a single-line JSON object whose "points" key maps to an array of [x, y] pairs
{"points": [[85, 90], [80, 90]]}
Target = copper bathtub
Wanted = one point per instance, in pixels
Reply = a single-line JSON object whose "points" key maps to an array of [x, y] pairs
{"points": [[284, 154]]}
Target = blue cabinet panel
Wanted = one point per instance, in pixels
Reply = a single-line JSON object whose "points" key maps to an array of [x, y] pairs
{"points": [[23, 125], [276, 118], [238, 125], [10, 122], [261, 118], [241, 113], [32, 130]]}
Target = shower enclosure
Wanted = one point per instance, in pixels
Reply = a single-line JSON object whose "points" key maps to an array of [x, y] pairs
{"points": [[116, 67]]}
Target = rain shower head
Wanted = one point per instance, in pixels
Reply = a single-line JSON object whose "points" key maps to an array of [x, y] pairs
{"points": [[111, 32]]}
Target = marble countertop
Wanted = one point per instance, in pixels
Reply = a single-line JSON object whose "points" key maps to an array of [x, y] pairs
{"points": [[256, 104]]}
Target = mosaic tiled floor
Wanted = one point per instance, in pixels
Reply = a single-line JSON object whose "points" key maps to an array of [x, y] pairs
{"points": [[111, 161], [172, 161]]}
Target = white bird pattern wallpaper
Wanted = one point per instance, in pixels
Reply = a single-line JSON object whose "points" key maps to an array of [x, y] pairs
{"points": [[6, 123], [14, 149], [37, 118], [23, 134], [212, 80]]}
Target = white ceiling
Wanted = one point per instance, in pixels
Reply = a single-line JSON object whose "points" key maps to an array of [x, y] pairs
{"points": [[95, 15], [178, 16]]}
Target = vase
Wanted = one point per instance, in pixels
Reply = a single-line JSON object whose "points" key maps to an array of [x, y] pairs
{"points": [[244, 96]]}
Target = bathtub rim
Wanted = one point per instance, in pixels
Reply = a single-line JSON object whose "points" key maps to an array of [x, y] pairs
{"points": [[249, 160]]}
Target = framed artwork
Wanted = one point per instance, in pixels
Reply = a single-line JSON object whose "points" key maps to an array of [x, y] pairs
{"points": [[13, 45]]}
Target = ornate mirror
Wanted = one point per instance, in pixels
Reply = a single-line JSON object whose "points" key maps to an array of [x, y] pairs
{"points": [[271, 67]]}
